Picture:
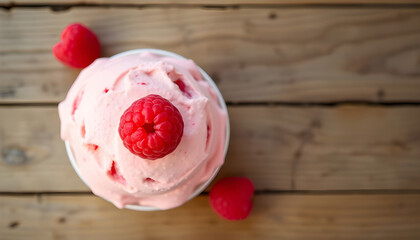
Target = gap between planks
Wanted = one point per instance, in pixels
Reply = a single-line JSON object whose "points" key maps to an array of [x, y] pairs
{"points": [[257, 192], [355, 5], [257, 104]]}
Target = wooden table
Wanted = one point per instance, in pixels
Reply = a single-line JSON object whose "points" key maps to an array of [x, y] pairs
{"points": [[324, 99]]}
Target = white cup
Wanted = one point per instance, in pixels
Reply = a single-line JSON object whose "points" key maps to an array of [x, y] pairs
{"points": [[222, 104]]}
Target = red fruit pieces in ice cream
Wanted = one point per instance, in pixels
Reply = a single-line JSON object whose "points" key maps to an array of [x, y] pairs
{"points": [[184, 89], [151, 127], [231, 197], [78, 46]]}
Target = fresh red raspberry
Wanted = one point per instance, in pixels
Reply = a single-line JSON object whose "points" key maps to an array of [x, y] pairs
{"points": [[231, 197], [78, 46], [151, 127]]}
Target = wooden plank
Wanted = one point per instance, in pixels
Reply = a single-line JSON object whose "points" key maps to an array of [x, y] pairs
{"points": [[33, 157], [210, 2], [255, 55], [279, 148], [274, 217]]}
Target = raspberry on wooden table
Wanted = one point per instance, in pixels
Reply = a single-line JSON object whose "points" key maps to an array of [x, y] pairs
{"points": [[78, 46], [151, 127], [231, 197]]}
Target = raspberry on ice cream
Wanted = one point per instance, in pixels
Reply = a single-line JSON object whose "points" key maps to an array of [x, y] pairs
{"points": [[181, 125], [151, 127]]}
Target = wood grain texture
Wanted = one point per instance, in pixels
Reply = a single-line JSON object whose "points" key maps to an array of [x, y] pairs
{"points": [[287, 217], [279, 148], [209, 2], [255, 55], [33, 157]]}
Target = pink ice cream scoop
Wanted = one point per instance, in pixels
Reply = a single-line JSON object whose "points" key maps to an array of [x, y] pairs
{"points": [[90, 117]]}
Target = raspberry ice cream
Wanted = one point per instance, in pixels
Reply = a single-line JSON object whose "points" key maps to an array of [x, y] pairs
{"points": [[90, 117]]}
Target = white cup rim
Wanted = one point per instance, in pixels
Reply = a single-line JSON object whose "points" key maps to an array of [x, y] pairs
{"points": [[222, 104]]}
